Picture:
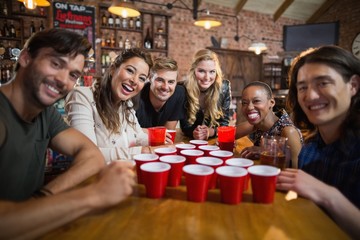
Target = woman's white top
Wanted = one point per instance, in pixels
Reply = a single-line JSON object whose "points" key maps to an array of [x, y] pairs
{"points": [[83, 116]]}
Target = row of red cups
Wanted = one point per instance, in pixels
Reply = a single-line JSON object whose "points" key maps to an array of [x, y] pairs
{"points": [[201, 177]]}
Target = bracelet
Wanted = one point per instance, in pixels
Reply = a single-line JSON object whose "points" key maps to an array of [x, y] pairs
{"points": [[42, 192]]}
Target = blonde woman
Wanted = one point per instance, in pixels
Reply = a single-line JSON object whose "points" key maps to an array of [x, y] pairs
{"points": [[208, 97]]}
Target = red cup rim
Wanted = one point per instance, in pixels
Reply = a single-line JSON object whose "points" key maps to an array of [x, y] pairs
{"points": [[149, 157], [192, 152], [197, 169], [264, 170], [165, 150], [171, 158], [185, 146], [239, 162], [223, 153], [209, 147], [198, 142], [210, 161], [231, 171], [155, 167]]}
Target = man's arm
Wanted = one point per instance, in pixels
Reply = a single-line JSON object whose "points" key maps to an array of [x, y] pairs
{"points": [[33, 218], [88, 160], [171, 124], [344, 213]]}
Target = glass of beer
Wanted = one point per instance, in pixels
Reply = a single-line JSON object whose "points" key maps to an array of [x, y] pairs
{"points": [[273, 151]]}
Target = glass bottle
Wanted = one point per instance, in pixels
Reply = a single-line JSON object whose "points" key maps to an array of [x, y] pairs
{"points": [[127, 43], [42, 27], [110, 21], [124, 23], [121, 42], [32, 28], [138, 23], [131, 23], [117, 21], [12, 30], [104, 20], [148, 40], [6, 29]]}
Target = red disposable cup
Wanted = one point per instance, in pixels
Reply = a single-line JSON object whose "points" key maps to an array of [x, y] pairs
{"points": [[155, 176], [191, 155], [165, 151], [88, 79], [231, 182], [211, 162], [226, 137], [156, 135], [183, 146], [241, 162], [197, 178], [223, 154], [177, 162], [198, 143], [172, 134], [141, 159], [263, 182], [208, 148]]}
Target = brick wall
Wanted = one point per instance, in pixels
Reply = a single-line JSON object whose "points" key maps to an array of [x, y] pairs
{"points": [[347, 12], [185, 38]]}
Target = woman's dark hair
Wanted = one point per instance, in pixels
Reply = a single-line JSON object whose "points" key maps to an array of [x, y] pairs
{"points": [[61, 40], [265, 86], [341, 61], [102, 94]]}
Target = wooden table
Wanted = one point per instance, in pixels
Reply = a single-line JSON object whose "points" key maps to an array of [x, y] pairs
{"points": [[173, 217]]}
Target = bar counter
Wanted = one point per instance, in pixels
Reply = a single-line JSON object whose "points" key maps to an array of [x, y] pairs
{"points": [[173, 217]]}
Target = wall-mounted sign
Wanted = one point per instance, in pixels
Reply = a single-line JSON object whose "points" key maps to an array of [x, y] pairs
{"points": [[78, 18]]}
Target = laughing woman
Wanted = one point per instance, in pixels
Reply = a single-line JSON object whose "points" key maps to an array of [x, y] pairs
{"points": [[257, 103], [208, 97], [105, 113]]}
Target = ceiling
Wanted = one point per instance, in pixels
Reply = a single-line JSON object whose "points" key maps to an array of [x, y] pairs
{"points": [[305, 10]]}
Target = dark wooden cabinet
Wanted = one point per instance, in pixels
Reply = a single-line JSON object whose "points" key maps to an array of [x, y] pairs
{"points": [[240, 68]]}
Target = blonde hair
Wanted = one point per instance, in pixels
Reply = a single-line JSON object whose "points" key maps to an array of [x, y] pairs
{"points": [[212, 110]]}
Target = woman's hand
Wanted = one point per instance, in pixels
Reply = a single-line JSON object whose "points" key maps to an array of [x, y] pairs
{"points": [[252, 152], [201, 132]]}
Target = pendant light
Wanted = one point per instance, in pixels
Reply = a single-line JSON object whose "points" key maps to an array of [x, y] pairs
{"points": [[32, 4], [258, 47], [207, 21], [124, 9]]}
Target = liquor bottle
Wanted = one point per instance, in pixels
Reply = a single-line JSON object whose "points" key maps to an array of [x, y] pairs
{"points": [[117, 21], [5, 8], [6, 29], [127, 43], [41, 28], [104, 20], [110, 21], [134, 42], [131, 23], [148, 40], [124, 23], [138, 23], [12, 30], [112, 40], [32, 28], [121, 42]]}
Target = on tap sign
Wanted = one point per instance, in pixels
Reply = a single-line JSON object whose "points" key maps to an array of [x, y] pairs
{"points": [[78, 18]]}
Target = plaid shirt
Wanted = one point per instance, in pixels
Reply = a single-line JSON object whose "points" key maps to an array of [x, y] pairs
{"points": [[337, 164]]}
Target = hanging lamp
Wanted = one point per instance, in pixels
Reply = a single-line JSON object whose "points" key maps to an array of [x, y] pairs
{"points": [[258, 47], [207, 21], [32, 4], [124, 9]]}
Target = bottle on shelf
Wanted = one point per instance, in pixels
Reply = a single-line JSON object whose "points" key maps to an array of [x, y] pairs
{"points": [[110, 21], [121, 42], [42, 27], [134, 42], [104, 20], [112, 40], [22, 7], [131, 23], [32, 28], [6, 29], [12, 30], [127, 43], [117, 22], [138, 23], [5, 10], [125, 23], [148, 40]]}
